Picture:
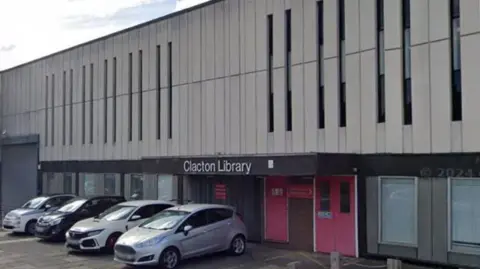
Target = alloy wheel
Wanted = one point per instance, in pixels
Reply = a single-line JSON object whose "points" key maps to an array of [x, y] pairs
{"points": [[170, 259], [238, 245]]}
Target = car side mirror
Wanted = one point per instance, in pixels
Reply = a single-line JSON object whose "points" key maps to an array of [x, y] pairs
{"points": [[47, 207], [84, 212], [135, 217], [187, 229]]}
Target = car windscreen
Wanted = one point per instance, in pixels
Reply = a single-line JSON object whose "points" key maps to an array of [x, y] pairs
{"points": [[72, 205], [116, 212], [165, 220], [35, 202]]}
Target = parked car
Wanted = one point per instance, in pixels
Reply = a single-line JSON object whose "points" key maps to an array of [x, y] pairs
{"points": [[101, 232], [23, 219], [54, 225], [182, 232]]}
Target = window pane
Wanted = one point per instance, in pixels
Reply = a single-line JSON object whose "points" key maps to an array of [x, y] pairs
{"points": [[324, 196], [398, 223], [136, 186], [381, 53], [456, 44], [68, 182], [110, 181], [89, 184], [406, 51], [465, 216], [342, 55], [164, 187], [344, 197]]}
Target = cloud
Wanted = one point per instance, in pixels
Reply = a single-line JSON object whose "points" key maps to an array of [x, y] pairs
{"points": [[8, 47], [122, 17]]}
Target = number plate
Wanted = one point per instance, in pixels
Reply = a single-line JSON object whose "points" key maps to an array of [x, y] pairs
{"points": [[73, 242], [39, 229], [124, 256]]}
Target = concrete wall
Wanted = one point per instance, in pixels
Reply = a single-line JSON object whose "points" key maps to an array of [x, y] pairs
{"points": [[219, 84], [432, 226]]}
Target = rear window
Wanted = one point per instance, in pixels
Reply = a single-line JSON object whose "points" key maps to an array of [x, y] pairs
{"points": [[219, 214]]}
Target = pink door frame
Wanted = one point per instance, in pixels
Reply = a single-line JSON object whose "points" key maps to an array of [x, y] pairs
{"points": [[276, 209], [335, 230]]}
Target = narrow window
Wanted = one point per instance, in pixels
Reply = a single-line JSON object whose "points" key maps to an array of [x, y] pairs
{"points": [[71, 107], [46, 110], [140, 95], [64, 108], [84, 86], [270, 73], [170, 82], [130, 93], [345, 197], [52, 96], [341, 67], [380, 64], [288, 68], [114, 100], [158, 75], [91, 102], [407, 83], [455, 60], [321, 94], [105, 101]]}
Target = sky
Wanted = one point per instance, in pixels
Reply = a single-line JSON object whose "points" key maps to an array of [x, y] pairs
{"points": [[47, 26]]}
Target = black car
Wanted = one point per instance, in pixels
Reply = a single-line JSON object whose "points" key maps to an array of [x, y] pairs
{"points": [[54, 225]]}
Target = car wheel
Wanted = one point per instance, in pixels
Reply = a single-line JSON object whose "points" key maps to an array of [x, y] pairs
{"points": [[111, 240], [169, 258], [238, 245], [30, 227]]}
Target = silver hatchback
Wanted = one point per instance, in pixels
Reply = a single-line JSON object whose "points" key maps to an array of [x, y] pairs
{"points": [[182, 232]]}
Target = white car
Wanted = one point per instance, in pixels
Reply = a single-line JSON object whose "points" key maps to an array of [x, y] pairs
{"points": [[101, 232], [23, 219]]}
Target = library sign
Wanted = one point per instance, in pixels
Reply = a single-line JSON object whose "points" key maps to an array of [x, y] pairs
{"points": [[217, 166]]}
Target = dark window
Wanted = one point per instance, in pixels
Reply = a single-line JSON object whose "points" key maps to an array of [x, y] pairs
{"points": [[160, 208], [91, 102], [105, 101], [64, 108], [407, 83], [325, 202], [455, 57], [218, 214], [198, 219], [158, 76], [170, 91], [46, 110], [130, 96], [288, 68], [71, 107], [52, 127], [109, 184], [270, 74], [145, 212], [380, 64], [68, 183], [83, 103], [344, 197], [342, 97], [114, 100], [140, 95], [321, 94]]}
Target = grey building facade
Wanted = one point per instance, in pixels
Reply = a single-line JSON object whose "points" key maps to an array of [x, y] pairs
{"points": [[388, 87]]}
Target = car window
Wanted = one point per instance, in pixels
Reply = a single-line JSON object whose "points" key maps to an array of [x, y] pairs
{"points": [[64, 199], [159, 208], [196, 220], [218, 214], [145, 212]]}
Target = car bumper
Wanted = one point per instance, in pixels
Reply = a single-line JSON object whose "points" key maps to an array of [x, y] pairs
{"points": [[93, 243], [148, 256], [49, 232], [13, 226]]}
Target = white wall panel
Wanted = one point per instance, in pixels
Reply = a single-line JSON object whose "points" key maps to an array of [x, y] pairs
{"points": [[234, 100], [242, 107], [250, 42], [297, 31], [261, 34], [331, 105], [242, 36], [310, 95], [262, 111], [251, 112], [219, 39], [279, 109], [175, 150], [234, 36], [309, 30], [278, 33], [354, 111], [469, 16], [298, 108], [330, 28], [352, 26]]}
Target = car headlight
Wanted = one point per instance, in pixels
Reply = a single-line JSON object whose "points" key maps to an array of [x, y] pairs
{"points": [[56, 221], [149, 242], [93, 233]]}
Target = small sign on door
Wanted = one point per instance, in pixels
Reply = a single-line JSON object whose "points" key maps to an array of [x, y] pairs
{"points": [[324, 214], [277, 191]]}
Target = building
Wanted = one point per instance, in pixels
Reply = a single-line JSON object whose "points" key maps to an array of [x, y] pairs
{"points": [[341, 125]]}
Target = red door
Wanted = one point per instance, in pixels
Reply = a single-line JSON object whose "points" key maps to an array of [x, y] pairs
{"points": [[276, 209], [335, 215]]}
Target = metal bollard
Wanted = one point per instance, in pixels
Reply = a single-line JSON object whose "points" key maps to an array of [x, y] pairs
{"points": [[335, 261], [394, 264]]}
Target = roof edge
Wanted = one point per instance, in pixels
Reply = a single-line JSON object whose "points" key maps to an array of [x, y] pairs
{"points": [[159, 19]]}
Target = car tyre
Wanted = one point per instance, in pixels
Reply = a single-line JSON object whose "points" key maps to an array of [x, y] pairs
{"points": [[110, 243], [238, 245], [30, 227], [170, 258]]}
